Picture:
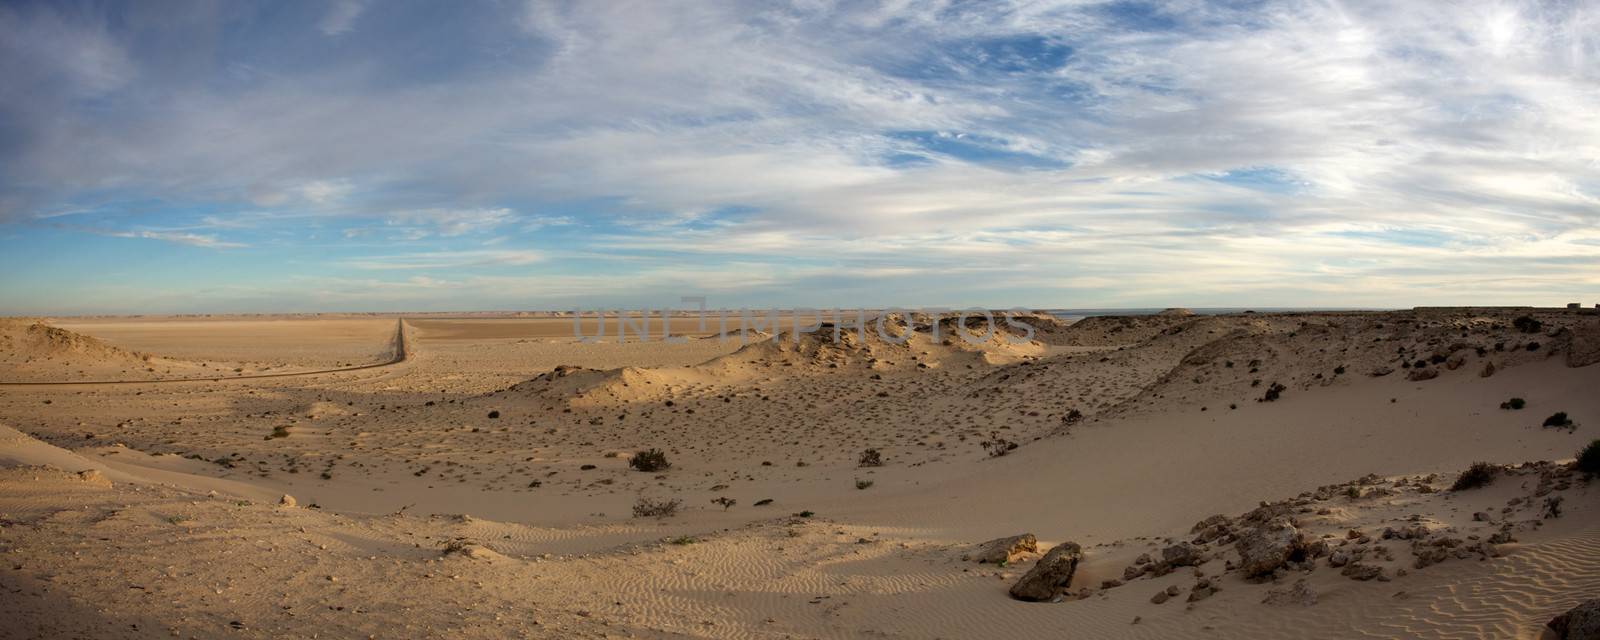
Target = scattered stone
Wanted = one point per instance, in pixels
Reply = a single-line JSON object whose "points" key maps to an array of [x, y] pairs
{"points": [[1299, 593], [1418, 375], [1202, 589], [286, 501]]}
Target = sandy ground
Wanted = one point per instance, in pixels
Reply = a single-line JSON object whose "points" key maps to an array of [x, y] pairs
{"points": [[482, 487]]}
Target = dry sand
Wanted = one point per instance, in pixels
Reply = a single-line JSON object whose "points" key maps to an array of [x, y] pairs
{"points": [[481, 487]]}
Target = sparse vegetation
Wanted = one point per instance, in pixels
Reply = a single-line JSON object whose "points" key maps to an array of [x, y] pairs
{"points": [[1527, 324], [656, 508], [278, 432], [1274, 391], [863, 484], [1480, 474], [1589, 459], [683, 540], [725, 501], [650, 461], [1552, 507], [997, 446], [871, 458], [1558, 420], [1514, 404]]}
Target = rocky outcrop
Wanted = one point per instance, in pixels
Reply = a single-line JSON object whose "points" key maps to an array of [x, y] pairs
{"points": [[1583, 346], [1578, 623], [1051, 576]]}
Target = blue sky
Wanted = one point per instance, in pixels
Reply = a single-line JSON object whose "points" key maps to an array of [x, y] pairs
{"points": [[162, 157]]}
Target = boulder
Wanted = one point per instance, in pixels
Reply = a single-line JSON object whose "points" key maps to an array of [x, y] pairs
{"points": [[1578, 623], [1488, 370], [1182, 554], [287, 500], [1003, 550], [1268, 547], [1363, 572], [1051, 576]]}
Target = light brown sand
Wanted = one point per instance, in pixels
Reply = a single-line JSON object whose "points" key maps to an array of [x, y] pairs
{"points": [[179, 532]]}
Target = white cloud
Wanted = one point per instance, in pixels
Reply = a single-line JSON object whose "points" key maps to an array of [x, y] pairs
{"points": [[1289, 150], [445, 260], [191, 239], [341, 17]]}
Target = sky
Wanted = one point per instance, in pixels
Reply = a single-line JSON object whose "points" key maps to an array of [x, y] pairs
{"points": [[392, 155]]}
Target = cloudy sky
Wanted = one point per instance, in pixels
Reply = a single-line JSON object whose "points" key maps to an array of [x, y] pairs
{"points": [[395, 155]]}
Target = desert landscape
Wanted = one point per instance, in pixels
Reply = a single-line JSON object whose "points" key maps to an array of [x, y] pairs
{"points": [[800, 319], [1251, 475]]}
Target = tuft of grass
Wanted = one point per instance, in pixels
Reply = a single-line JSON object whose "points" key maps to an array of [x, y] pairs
{"points": [[1514, 404], [863, 484], [1480, 474], [682, 540], [278, 432], [650, 461], [725, 501], [871, 458]]}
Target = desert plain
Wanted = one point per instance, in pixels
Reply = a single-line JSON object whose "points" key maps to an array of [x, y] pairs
{"points": [[1380, 474]]}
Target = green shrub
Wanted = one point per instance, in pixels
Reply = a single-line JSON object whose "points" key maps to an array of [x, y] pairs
{"points": [[871, 458], [1514, 404]]}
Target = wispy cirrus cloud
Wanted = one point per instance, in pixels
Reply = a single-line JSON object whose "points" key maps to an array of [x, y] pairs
{"points": [[178, 237], [444, 260]]}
